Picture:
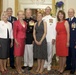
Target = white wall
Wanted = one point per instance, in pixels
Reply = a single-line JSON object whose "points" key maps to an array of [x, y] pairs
{"points": [[11, 3], [69, 4]]}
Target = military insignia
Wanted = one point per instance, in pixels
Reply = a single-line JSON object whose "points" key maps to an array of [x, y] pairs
{"points": [[31, 23], [30, 27], [73, 26], [50, 21]]}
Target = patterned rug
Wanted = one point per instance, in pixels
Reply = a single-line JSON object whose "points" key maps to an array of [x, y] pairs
{"points": [[53, 70]]}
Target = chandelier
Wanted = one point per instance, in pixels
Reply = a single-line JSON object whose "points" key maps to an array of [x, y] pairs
{"points": [[38, 1]]}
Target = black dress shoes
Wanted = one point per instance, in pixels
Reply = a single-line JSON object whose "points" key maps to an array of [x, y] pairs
{"points": [[72, 71], [13, 67], [29, 68], [23, 67], [67, 69]]}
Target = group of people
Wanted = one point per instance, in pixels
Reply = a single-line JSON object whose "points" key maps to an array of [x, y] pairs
{"points": [[25, 36]]}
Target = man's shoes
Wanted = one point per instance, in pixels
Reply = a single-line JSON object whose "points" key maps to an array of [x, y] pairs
{"points": [[23, 67], [67, 69], [29, 68], [13, 67], [72, 71], [45, 66], [49, 68]]}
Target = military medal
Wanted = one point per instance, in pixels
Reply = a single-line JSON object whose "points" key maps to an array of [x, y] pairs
{"points": [[73, 26], [31, 23], [50, 21]]}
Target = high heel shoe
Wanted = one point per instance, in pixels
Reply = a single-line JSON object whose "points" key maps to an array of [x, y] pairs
{"points": [[23, 70], [62, 72], [37, 70], [19, 72], [3, 72], [40, 72], [6, 71]]}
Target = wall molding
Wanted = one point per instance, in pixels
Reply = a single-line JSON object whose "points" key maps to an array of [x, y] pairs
{"points": [[1, 6], [21, 5], [16, 7]]}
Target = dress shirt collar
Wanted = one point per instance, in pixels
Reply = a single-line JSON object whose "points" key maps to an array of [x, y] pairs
{"points": [[71, 18], [9, 18]]}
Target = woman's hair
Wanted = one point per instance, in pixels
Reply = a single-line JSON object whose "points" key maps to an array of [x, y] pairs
{"points": [[3, 13], [40, 13], [63, 13], [20, 11]]}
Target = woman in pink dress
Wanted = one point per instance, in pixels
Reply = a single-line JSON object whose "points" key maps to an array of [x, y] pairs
{"points": [[19, 31]]}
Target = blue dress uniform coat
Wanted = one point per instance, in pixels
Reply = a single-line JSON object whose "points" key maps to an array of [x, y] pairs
{"points": [[71, 59], [11, 19]]}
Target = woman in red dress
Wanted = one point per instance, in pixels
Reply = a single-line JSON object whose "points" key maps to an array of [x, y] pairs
{"points": [[19, 31], [62, 40]]}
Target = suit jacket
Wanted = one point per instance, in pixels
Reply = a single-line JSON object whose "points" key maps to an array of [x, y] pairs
{"points": [[18, 30], [12, 19], [72, 26]]}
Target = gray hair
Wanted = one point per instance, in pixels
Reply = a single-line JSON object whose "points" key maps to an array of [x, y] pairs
{"points": [[28, 9], [9, 9]]}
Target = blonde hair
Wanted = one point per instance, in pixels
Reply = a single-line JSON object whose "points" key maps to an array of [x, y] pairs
{"points": [[3, 13], [40, 13], [48, 8], [19, 12]]}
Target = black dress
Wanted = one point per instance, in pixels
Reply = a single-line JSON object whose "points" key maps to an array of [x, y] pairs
{"points": [[4, 47], [40, 52]]}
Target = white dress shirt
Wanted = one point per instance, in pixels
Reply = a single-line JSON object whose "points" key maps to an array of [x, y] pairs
{"points": [[3, 30], [51, 32], [70, 19]]}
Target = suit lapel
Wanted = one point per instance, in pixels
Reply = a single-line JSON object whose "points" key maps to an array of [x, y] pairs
{"points": [[73, 19]]}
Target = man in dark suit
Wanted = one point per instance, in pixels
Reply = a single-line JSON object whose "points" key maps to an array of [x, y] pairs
{"points": [[11, 19], [71, 59]]}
